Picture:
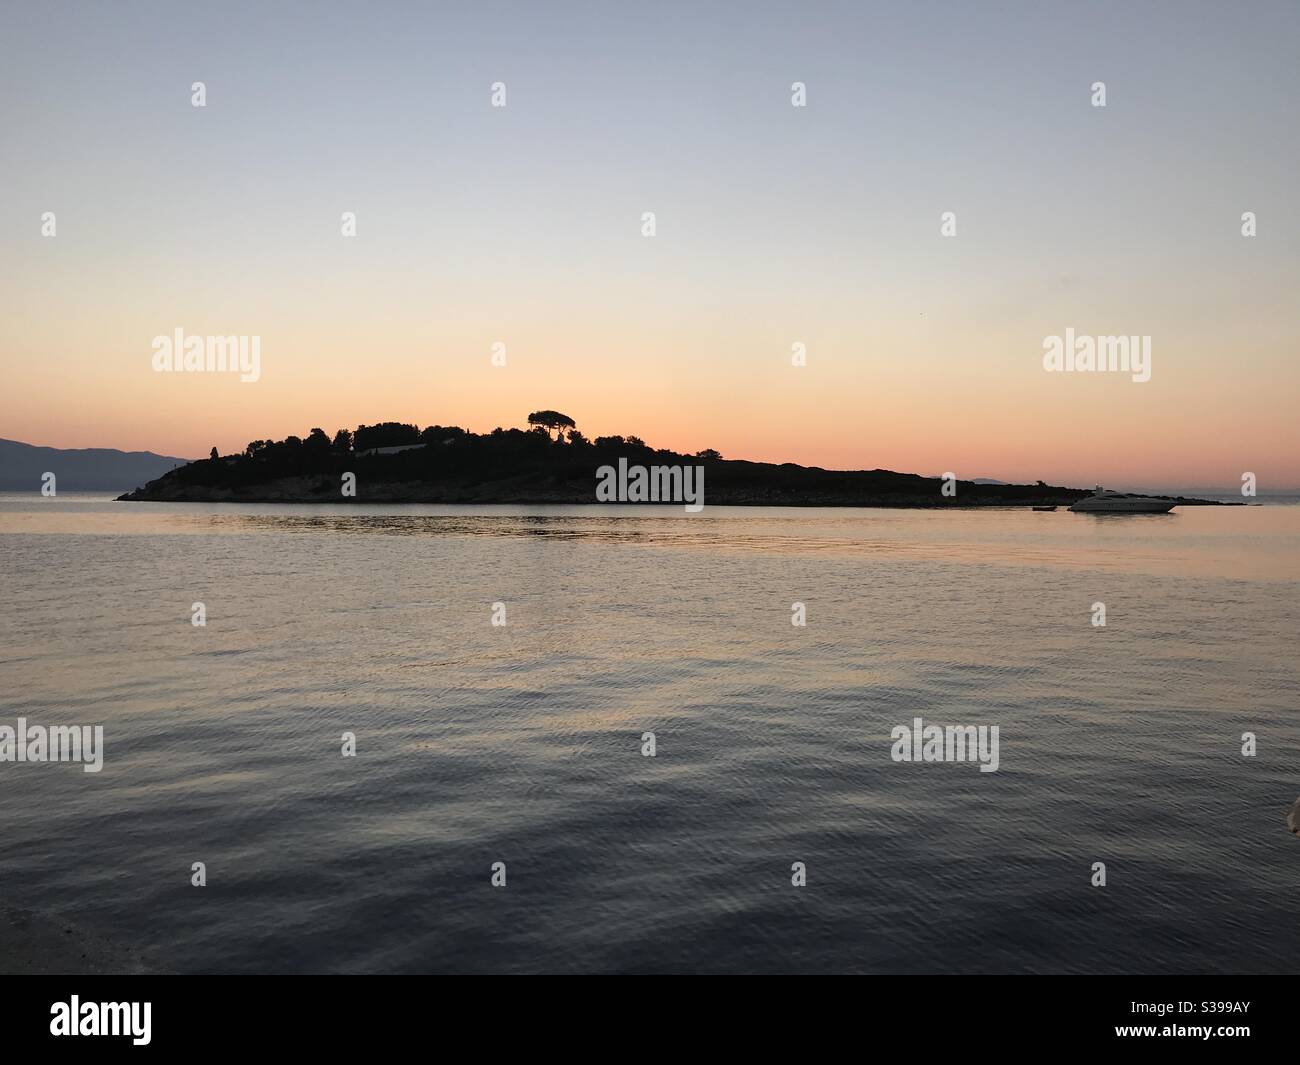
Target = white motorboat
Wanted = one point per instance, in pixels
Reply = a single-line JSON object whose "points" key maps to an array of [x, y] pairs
{"points": [[1104, 502]]}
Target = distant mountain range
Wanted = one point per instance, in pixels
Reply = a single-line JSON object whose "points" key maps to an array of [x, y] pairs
{"points": [[87, 469]]}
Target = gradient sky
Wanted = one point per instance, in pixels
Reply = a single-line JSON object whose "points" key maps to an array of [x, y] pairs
{"points": [[775, 225]]}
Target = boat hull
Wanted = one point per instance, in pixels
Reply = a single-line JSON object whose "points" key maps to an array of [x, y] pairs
{"points": [[1123, 506]]}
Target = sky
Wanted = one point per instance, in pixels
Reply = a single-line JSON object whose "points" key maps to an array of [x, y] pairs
{"points": [[775, 225]]}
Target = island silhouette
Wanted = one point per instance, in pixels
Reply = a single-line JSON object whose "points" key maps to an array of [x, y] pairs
{"points": [[550, 462]]}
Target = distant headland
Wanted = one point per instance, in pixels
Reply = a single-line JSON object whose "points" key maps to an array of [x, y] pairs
{"points": [[91, 469], [550, 462]]}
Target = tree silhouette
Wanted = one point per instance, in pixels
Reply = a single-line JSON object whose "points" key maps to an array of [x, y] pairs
{"points": [[552, 419], [385, 434]]}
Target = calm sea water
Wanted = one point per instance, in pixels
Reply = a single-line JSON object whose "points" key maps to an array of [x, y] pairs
{"points": [[522, 744]]}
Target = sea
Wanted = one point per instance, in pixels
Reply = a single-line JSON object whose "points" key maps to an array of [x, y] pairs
{"points": [[608, 739]]}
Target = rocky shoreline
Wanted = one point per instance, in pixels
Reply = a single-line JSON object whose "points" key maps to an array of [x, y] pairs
{"points": [[315, 490]]}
